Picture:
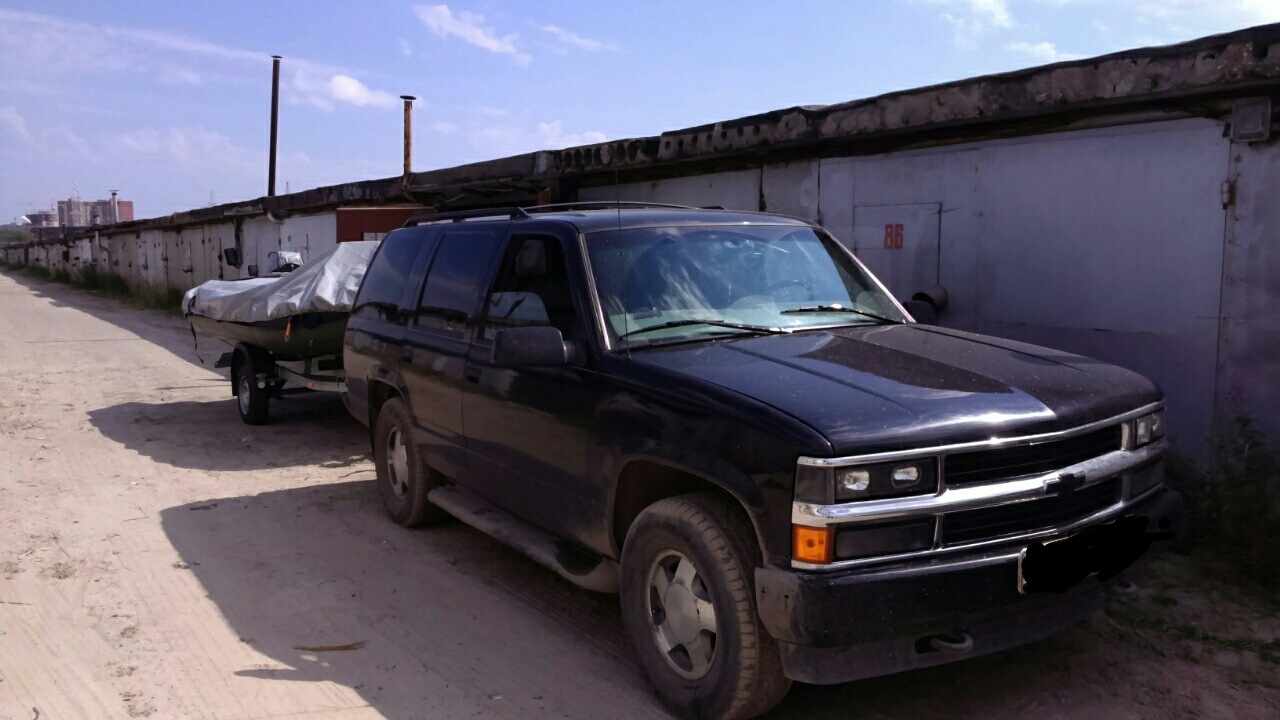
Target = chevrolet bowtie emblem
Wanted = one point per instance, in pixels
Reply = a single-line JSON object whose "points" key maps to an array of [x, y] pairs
{"points": [[1064, 483]]}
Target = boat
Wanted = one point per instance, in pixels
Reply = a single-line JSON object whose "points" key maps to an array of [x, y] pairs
{"points": [[294, 315], [296, 337]]}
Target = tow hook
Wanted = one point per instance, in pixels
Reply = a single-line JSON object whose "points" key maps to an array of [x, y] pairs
{"points": [[1125, 589], [952, 642]]}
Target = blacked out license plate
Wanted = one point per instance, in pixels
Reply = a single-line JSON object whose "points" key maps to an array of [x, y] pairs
{"points": [[1103, 550]]}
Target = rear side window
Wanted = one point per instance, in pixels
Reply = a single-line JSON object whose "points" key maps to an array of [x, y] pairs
{"points": [[383, 288], [449, 296]]}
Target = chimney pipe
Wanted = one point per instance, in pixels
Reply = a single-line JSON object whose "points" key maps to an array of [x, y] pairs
{"points": [[408, 136], [115, 206], [275, 120]]}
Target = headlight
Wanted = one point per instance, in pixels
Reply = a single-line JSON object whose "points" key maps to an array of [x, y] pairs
{"points": [[824, 485], [1148, 428]]}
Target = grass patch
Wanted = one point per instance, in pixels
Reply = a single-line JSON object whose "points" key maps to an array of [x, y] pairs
{"points": [[35, 271], [109, 284], [1233, 511], [1133, 617], [106, 285], [170, 300]]}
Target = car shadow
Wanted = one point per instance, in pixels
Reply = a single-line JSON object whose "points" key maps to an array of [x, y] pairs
{"points": [[323, 585], [304, 429]]}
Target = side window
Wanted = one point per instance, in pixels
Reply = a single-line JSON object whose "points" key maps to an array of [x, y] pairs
{"points": [[383, 288], [531, 289], [449, 296]]}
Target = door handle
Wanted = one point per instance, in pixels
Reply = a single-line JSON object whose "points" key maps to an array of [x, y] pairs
{"points": [[406, 355], [473, 375]]}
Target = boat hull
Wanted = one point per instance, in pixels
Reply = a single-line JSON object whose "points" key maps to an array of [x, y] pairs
{"points": [[297, 337]]}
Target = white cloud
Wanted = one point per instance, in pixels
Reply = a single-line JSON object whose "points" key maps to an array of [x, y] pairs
{"points": [[570, 39], [972, 18], [49, 142], [345, 88], [191, 148], [494, 141], [1261, 11], [45, 51], [405, 48], [179, 76], [1242, 11], [493, 111], [1043, 51], [12, 120], [444, 128], [552, 135], [470, 28], [321, 87], [1235, 12]]}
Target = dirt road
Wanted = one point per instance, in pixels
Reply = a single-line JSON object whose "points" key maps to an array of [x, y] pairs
{"points": [[158, 558]]}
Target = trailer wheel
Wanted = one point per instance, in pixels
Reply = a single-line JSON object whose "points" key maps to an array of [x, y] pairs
{"points": [[251, 400]]}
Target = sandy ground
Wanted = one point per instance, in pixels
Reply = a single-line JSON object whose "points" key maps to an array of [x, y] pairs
{"points": [[160, 559]]}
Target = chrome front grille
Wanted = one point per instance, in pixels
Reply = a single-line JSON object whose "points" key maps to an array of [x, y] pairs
{"points": [[991, 523], [1007, 463]]}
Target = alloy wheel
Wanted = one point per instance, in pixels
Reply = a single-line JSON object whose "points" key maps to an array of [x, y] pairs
{"points": [[682, 615]]}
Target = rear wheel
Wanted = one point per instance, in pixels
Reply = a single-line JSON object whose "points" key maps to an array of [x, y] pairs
{"points": [[688, 604], [403, 481], [252, 401]]}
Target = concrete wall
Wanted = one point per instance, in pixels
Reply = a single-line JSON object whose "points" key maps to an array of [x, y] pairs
{"points": [[1109, 243], [157, 261], [1249, 343]]}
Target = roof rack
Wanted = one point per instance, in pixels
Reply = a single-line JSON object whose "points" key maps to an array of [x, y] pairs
{"points": [[460, 215], [604, 205], [516, 213]]}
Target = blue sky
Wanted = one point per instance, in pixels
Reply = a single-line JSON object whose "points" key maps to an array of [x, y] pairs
{"points": [[169, 101]]}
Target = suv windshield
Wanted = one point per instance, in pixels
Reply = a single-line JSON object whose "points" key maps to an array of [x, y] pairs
{"points": [[660, 284]]}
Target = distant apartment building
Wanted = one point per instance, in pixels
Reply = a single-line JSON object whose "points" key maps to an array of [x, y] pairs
{"points": [[83, 213], [42, 218]]}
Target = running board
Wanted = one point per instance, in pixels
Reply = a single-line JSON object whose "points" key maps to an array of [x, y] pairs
{"points": [[573, 563]]}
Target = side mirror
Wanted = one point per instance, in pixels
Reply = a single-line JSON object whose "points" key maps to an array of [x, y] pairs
{"points": [[922, 311], [531, 347], [935, 295], [926, 305]]}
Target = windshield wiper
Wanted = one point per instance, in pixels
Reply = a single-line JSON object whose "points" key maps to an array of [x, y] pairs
{"points": [[716, 323], [836, 308]]}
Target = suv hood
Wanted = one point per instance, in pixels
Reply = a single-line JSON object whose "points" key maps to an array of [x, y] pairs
{"points": [[888, 387]]}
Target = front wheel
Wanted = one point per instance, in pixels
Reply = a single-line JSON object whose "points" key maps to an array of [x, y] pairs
{"points": [[688, 604]]}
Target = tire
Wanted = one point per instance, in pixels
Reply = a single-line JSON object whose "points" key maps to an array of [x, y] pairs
{"points": [[252, 401], [403, 482], [740, 674]]}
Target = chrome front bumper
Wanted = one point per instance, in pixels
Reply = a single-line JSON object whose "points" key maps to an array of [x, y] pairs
{"points": [[1121, 463]]}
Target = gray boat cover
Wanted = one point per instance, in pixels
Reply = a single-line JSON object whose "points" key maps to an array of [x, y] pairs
{"points": [[327, 283]]}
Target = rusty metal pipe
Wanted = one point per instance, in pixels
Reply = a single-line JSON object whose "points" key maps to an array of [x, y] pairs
{"points": [[275, 122], [408, 136]]}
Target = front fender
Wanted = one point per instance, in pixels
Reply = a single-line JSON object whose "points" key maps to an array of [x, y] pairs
{"points": [[706, 438]]}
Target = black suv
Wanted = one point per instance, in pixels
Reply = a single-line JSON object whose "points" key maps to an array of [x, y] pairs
{"points": [[727, 419]]}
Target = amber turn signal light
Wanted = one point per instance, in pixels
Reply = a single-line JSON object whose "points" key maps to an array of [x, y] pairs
{"points": [[811, 544]]}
